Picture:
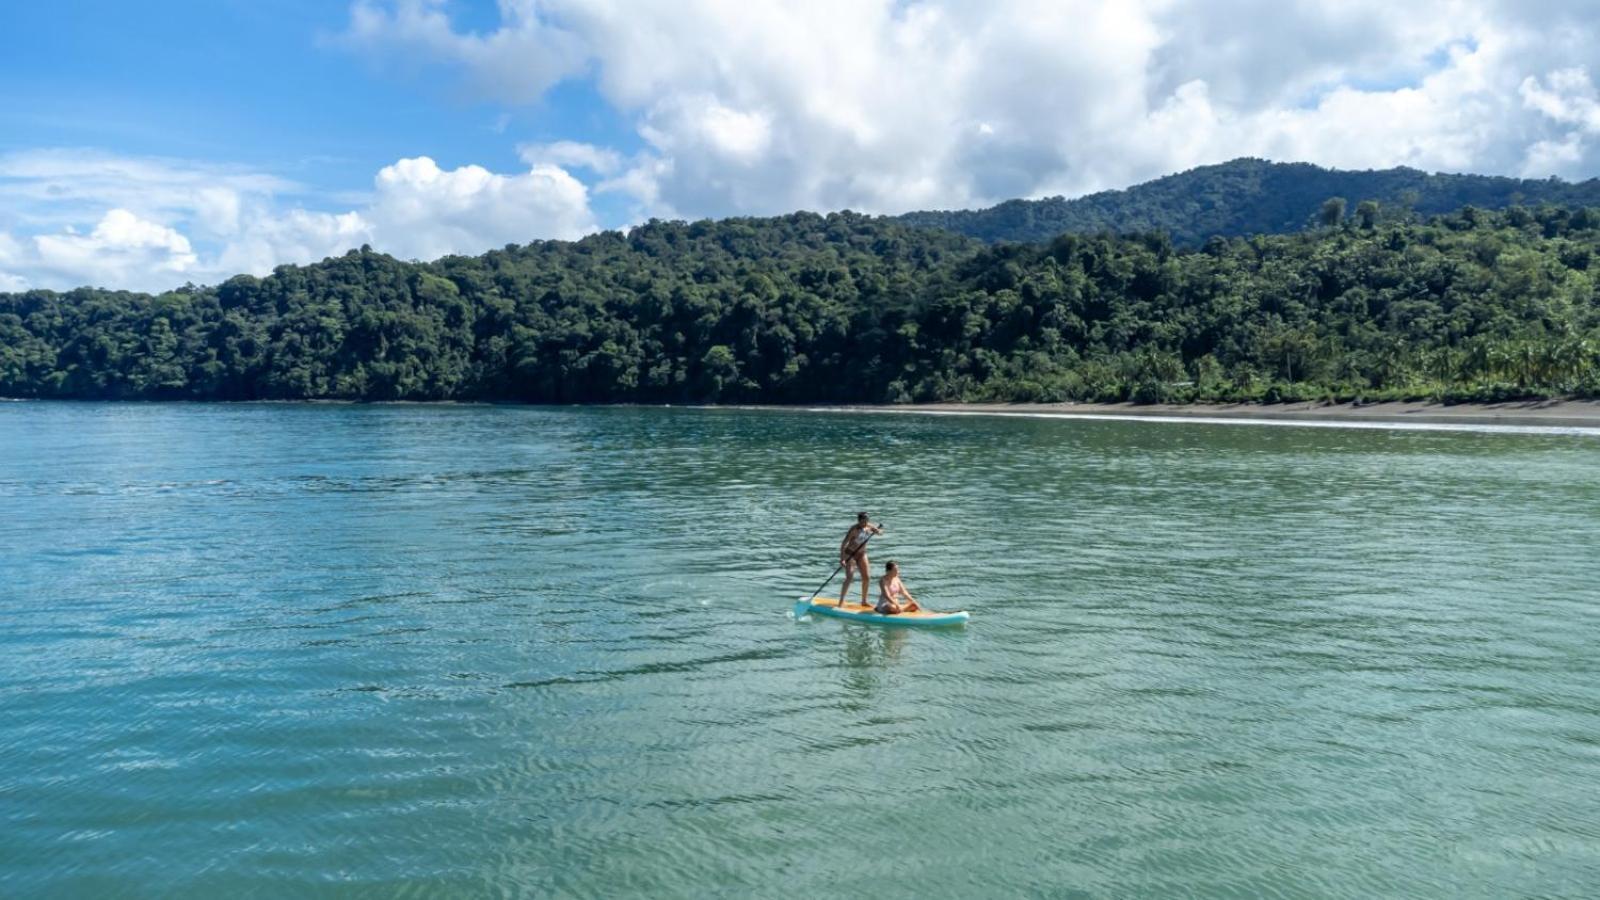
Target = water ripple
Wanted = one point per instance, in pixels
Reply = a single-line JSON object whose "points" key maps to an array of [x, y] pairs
{"points": [[417, 651]]}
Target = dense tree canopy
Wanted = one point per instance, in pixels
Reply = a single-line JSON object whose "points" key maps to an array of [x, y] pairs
{"points": [[807, 308], [1251, 196]]}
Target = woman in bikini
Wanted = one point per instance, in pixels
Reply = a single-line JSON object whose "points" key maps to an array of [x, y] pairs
{"points": [[853, 556], [891, 591]]}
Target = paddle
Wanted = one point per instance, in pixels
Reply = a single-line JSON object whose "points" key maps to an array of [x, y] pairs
{"points": [[866, 575]]}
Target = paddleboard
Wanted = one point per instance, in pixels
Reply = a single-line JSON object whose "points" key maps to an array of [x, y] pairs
{"points": [[829, 606]]}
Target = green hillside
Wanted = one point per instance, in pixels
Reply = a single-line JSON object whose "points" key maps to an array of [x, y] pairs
{"points": [[807, 308], [1250, 196]]}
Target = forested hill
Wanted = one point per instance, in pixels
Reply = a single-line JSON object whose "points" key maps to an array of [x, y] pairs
{"points": [[806, 308], [1250, 196]]}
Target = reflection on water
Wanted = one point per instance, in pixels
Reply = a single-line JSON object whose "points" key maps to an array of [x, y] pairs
{"points": [[872, 648], [402, 650]]}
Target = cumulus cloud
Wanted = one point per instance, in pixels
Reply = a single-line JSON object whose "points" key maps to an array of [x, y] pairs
{"points": [[77, 216], [516, 62], [121, 244], [277, 237], [194, 222], [886, 105], [1567, 96], [751, 107], [423, 211], [121, 249]]}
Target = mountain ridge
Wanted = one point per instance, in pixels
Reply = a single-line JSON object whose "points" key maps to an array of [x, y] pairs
{"points": [[1247, 196]]}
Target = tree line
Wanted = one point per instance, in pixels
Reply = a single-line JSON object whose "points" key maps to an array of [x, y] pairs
{"points": [[1472, 305]]}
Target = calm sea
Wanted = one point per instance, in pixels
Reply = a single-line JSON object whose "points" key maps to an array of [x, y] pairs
{"points": [[391, 651]]}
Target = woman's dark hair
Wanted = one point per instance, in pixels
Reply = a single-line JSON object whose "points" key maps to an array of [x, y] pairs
{"points": [[891, 566], [861, 517]]}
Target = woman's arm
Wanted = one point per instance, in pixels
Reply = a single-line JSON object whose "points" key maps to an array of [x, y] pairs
{"points": [[911, 604]]}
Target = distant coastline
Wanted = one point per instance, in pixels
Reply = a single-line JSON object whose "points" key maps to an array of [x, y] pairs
{"points": [[1531, 413], [1582, 414]]}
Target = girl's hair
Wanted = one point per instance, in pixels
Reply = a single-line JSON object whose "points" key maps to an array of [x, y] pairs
{"points": [[891, 566], [861, 517]]}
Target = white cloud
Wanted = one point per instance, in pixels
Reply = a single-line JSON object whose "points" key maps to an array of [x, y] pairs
{"points": [[516, 62], [749, 107], [218, 209], [1567, 96], [702, 124], [65, 186], [289, 236], [1568, 100], [423, 211], [121, 249], [203, 224], [119, 231], [10, 255], [885, 105], [572, 154]]}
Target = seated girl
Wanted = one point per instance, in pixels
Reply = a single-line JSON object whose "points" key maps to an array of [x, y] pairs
{"points": [[891, 591]]}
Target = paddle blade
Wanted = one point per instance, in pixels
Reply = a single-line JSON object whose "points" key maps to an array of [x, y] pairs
{"points": [[801, 607]]}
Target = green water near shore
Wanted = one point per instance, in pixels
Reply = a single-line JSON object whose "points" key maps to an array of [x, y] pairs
{"points": [[418, 651]]}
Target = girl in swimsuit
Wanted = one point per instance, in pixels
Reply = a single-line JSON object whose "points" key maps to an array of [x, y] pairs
{"points": [[853, 556], [891, 590]]}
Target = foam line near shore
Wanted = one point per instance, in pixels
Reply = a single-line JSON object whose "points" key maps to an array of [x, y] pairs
{"points": [[1331, 422]]}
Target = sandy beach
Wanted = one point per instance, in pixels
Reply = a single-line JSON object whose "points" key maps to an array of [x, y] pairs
{"points": [[1545, 413]]}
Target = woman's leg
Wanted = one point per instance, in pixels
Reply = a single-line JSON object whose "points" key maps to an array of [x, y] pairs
{"points": [[849, 570], [866, 578]]}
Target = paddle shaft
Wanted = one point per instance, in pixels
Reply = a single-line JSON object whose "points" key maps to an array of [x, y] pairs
{"points": [[853, 555]]}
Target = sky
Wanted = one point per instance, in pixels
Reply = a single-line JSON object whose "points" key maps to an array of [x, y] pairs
{"points": [[144, 146]]}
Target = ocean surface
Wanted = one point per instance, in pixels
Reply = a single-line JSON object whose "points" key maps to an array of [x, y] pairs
{"points": [[421, 651]]}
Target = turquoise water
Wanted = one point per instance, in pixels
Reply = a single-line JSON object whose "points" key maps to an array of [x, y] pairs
{"points": [[282, 650]]}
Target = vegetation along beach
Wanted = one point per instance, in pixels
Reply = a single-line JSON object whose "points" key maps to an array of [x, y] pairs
{"points": [[1468, 306]]}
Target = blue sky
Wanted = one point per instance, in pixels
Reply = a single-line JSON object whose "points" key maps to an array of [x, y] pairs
{"points": [[145, 145], [265, 85]]}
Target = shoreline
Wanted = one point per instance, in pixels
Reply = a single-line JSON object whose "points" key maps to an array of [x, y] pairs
{"points": [[1583, 414]]}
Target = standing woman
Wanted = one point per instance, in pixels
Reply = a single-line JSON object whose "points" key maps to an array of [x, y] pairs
{"points": [[853, 556]]}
